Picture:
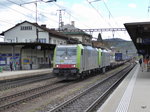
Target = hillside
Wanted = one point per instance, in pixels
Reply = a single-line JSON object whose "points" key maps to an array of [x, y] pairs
{"points": [[118, 43], [115, 39], [121, 45]]}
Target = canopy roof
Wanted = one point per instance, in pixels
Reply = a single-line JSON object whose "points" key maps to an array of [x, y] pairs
{"points": [[140, 35]]}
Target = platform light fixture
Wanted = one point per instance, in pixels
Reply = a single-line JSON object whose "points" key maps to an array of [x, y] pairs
{"points": [[139, 40], [39, 47]]}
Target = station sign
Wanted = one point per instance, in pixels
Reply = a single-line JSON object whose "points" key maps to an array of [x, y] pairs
{"points": [[9, 55], [26, 61], [2, 61]]}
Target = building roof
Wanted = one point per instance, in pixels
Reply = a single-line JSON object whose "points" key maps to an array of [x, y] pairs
{"points": [[51, 31], [140, 35], [76, 32], [72, 30]]}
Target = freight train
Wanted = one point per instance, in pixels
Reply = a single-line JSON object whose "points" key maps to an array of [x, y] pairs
{"points": [[77, 61], [118, 57]]}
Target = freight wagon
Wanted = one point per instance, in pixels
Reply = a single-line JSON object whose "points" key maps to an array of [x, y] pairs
{"points": [[118, 57]]}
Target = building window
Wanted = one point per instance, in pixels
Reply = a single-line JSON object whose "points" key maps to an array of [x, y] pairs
{"points": [[58, 42], [9, 40], [46, 59], [26, 40], [39, 60], [54, 41], [26, 28], [42, 40], [61, 42], [42, 60]]}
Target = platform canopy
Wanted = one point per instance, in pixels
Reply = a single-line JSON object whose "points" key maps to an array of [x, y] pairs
{"points": [[140, 35], [31, 45]]}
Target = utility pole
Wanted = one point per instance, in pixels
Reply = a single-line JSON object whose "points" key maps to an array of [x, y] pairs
{"points": [[35, 2], [148, 11], [36, 13], [60, 18]]}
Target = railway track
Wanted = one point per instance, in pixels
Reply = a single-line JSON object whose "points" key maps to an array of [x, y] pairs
{"points": [[18, 98], [89, 98], [23, 81]]}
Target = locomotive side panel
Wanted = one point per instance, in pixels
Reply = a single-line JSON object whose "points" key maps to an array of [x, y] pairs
{"points": [[105, 59], [80, 59], [100, 58], [75, 61]]}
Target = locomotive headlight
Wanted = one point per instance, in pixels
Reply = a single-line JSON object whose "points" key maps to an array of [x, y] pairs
{"points": [[73, 65], [57, 66]]}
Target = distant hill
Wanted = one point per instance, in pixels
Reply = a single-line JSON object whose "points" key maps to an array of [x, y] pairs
{"points": [[120, 45], [115, 39]]}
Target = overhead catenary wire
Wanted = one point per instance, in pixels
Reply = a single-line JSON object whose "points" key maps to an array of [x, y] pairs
{"points": [[62, 7], [17, 11], [110, 14], [43, 14], [66, 10], [99, 13], [6, 22], [3, 5], [32, 10]]}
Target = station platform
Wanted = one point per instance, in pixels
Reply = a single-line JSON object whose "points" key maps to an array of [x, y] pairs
{"points": [[132, 95], [6, 75]]}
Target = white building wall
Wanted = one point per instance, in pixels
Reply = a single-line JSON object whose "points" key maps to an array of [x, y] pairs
{"points": [[58, 41], [43, 35], [18, 35], [82, 38]]}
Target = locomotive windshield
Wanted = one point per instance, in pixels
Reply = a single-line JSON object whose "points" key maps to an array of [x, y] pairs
{"points": [[69, 51]]}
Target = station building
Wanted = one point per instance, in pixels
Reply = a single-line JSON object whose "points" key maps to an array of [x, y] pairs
{"points": [[30, 46]]}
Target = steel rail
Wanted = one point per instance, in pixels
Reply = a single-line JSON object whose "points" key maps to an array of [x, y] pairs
{"points": [[71, 100], [24, 92], [107, 92], [11, 104], [22, 82]]}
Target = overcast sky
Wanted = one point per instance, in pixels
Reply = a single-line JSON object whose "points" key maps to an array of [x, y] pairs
{"points": [[87, 14]]}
